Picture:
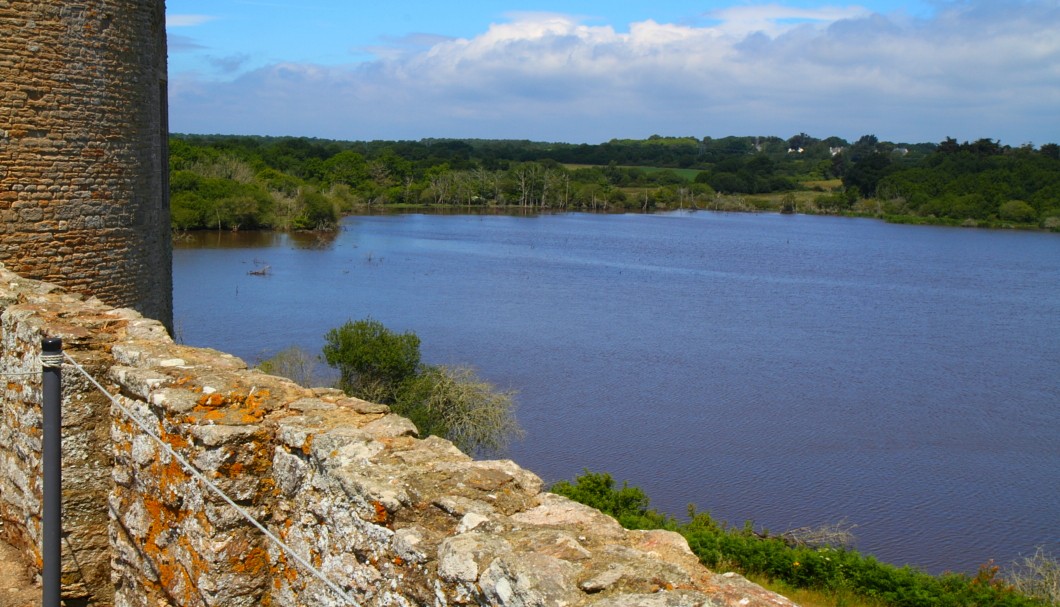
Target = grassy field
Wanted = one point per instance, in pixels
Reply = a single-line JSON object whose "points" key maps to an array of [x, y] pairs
{"points": [[824, 185], [689, 174]]}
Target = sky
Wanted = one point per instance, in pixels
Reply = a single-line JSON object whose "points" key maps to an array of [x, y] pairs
{"points": [[588, 71]]}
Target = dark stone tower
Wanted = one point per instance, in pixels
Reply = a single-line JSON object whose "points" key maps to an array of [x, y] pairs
{"points": [[84, 199]]}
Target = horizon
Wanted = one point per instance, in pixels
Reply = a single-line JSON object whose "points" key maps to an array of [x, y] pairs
{"points": [[543, 142], [585, 71]]}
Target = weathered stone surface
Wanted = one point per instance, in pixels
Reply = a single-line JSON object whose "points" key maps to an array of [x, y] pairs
{"points": [[530, 580], [603, 581], [734, 590], [387, 517], [557, 511], [462, 558], [391, 426], [681, 598]]}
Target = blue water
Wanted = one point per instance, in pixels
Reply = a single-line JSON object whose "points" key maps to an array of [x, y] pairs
{"points": [[793, 370]]}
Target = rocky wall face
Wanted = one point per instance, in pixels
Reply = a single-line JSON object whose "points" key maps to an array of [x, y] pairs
{"points": [[387, 517], [83, 157], [29, 311]]}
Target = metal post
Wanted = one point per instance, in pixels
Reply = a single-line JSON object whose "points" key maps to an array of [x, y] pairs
{"points": [[52, 454]]}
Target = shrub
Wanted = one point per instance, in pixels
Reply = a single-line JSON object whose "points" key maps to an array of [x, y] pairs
{"points": [[295, 364], [629, 505], [317, 211], [379, 365], [1018, 211], [453, 402], [1037, 576], [372, 360]]}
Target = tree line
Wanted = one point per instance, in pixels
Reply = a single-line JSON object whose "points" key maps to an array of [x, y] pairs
{"points": [[291, 183]]}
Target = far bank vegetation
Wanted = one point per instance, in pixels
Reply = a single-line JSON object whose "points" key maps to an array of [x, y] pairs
{"points": [[236, 182]]}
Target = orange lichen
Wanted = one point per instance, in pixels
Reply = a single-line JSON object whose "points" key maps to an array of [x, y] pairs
{"points": [[255, 562], [185, 379], [268, 486], [282, 570], [211, 400], [174, 440], [234, 408], [213, 416], [381, 517]]}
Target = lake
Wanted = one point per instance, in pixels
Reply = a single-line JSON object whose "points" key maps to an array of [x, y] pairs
{"points": [[792, 370]]}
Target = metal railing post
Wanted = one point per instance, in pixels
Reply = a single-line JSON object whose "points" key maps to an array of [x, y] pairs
{"points": [[52, 453]]}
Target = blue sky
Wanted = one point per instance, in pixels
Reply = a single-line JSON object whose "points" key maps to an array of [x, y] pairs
{"points": [[591, 70]]}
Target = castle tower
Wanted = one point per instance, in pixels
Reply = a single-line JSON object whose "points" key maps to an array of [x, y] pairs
{"points": [[84, 199]]}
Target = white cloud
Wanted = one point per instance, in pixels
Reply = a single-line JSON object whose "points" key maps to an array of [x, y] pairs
{"points": [[187, 20], [970, 71], [774, 19]]}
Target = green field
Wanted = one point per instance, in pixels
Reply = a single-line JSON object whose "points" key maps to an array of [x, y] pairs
{"points": [[689, 174]]}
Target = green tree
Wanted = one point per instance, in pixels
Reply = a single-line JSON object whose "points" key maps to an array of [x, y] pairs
{"points": [[379, 365], [866, 173], [346, 167], [1018, 211], [316, 210], [372, 360]]}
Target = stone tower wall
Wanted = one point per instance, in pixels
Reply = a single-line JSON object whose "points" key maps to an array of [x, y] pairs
{"points": [[83, 158]]}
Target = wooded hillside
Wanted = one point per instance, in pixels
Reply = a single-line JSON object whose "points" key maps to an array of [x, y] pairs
{"points": [[240, 182]]}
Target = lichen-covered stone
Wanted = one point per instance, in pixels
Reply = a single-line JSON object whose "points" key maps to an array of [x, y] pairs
{"points": [[530, 580]]}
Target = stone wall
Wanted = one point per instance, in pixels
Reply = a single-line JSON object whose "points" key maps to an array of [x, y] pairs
{"points": [[83, 158], [389, 518]]}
